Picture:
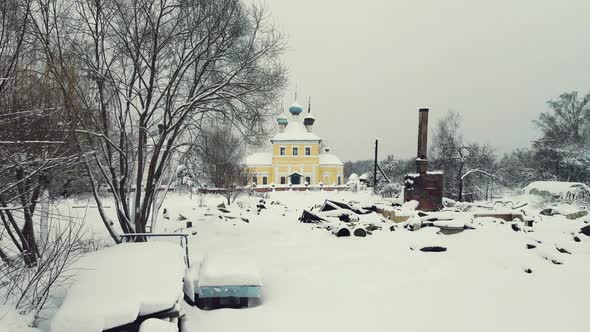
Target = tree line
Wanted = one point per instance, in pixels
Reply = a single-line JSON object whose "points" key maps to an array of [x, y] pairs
{"points": [[475, 170]]}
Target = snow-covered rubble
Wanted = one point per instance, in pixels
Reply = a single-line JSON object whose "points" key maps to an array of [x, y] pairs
{"points": [[310, 275], [120, 283], [499, 274]]}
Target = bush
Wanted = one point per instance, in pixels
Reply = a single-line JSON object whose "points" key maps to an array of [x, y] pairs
{"points": [[27, 288]]}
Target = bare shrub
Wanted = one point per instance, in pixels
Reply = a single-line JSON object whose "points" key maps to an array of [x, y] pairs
{"points": [[28, 288]]}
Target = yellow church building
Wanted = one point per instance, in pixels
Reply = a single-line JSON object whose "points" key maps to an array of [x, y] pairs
{"points": [[298, 156]]}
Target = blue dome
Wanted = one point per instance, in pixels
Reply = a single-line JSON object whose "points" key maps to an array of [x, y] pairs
{"points": [[282, 121], [295, 109]]}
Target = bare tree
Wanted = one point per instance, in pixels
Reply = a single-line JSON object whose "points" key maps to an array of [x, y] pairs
{"points": [[28, 288], [33, 149], [146, 73], [34, 143], [457, 158], [221, 153], [14, 21]]}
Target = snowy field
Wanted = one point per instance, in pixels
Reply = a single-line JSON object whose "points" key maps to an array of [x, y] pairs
{"points": [[315, 281]]}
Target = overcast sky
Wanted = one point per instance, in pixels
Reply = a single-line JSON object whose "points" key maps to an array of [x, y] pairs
{"points": [[369, 65]]}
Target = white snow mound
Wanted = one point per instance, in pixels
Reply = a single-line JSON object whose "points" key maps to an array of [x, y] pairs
{"points": [[228, 269], [157, 325], [121, 283]]}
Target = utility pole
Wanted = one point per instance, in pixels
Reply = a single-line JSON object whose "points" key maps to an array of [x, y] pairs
{"points": [[375, 167]]}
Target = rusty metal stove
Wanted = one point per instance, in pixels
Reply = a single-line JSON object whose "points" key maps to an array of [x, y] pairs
{"points": [[423, 186]]}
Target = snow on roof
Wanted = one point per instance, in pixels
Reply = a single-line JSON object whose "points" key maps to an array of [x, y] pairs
{"points": [[295, 131], [228, 269], [259, 158], [120, 283], [364, 176], [554, 187], [329, 159]]}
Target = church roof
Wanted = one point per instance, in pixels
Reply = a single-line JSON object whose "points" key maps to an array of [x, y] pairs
{"points": [[259, 158], [295, 131], [329, 159]]}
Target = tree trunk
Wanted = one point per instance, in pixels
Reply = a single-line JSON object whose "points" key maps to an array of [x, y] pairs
{"points": [[44, 219], [107, 222], [4, 256], [30, 249], [460, 190], [10, 234], [460, 181]]}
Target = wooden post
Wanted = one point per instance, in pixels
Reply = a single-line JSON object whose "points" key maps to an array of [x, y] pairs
{"points": [[375, 167]]}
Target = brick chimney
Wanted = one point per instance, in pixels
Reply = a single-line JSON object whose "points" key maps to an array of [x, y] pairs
{"points": [[422, 154]]}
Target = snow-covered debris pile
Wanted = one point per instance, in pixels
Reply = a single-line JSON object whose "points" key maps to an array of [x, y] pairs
{"points": [[343, 219], [569, 211], [574, 191], [120, 283]]}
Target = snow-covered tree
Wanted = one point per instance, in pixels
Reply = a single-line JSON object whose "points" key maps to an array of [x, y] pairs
{"points": [[520, 167], [564, 148], [359, 167], [36, 147], [148, 73], [394, 169], [221, 153], [455, 157]]}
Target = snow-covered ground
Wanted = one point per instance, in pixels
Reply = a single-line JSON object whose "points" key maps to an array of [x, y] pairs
{"points": [[315, 281]]}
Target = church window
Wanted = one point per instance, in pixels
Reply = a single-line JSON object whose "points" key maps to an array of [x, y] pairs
{"points": [[283, 180], [264, 180], [308, 179], [282, 151], [255, 179], [308, 151], [295, 151]]}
